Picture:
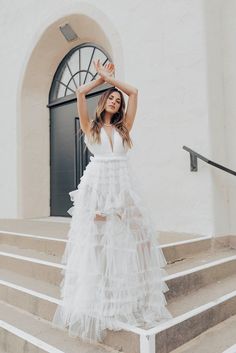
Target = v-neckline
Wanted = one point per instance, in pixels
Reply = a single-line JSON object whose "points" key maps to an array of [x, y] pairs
{"points": [[111, 142]]}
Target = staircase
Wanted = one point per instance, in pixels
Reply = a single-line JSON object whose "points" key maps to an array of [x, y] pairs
{"points": [[202, 297]]}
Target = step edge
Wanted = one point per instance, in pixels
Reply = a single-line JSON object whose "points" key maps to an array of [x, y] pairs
{"points": [[191, 313], [32, 259], [28, 235], [231, 349], [166, 278], [188, 241], [42, 237], [200, 268], [149, 332], [30, 291], [29, 338]]}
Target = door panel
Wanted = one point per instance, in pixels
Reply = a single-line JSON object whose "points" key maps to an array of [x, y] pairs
{"points": [[68, 154]]}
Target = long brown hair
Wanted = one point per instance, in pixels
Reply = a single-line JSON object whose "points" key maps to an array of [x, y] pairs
{"points": [[117, 119]]}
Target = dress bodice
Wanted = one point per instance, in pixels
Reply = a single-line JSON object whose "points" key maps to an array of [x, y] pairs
{"points": [[106, 147]]}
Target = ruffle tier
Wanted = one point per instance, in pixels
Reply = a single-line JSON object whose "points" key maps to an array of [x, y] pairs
{"points": [[113, 269]]}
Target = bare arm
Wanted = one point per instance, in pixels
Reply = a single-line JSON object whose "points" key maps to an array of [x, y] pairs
{"points": [[82, 104], [131, 91]]}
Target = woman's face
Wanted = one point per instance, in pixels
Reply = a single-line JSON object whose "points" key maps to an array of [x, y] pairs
{"points": [[113, 102]]}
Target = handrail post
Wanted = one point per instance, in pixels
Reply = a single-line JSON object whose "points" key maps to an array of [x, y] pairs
{"points": [[194, 156], [193, 162]]}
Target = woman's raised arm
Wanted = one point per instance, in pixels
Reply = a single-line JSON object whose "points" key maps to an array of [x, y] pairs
{"points": [[81, 97], [131, 91], [82, 104]]}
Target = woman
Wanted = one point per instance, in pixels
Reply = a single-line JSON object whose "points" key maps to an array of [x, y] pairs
{"points": [[114, 266]]}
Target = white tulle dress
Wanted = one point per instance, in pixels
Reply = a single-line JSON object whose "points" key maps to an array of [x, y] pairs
{"points": [[114, 268]]}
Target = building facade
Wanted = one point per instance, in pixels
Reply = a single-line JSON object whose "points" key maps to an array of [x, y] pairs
{"points": [[179, 54]]}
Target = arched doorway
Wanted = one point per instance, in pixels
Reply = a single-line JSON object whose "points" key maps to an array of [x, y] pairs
{"points": [[68, 153], [45, 53]]}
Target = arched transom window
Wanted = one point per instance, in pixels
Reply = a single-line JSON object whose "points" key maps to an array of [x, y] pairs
{"points": [[76, 69]]}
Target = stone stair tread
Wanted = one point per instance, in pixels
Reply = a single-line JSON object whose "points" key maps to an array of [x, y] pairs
{"points": [[211, 292], [30, 283], [35, 227], [43, 301], [231, 349], [31, 253], [216, 339], [178, 266], [199, 259], [59, 229], [44, 331], [177, 306]]}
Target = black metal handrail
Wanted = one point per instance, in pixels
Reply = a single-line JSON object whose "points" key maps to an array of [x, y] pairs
{"points": [[194, 163]]}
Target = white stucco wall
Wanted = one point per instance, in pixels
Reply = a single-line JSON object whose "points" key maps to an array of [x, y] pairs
{"points": [[166, 53], [173, 112], [216, 118], [229, 87]]}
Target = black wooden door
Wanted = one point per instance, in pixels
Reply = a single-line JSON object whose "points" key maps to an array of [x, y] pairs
{"points": [[68, 153]]}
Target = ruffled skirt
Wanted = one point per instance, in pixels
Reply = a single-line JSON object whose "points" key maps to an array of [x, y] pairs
{"points": [[113, 268]]}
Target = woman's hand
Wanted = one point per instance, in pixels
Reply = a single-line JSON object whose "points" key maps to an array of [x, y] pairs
{"points": [[105, 71]]}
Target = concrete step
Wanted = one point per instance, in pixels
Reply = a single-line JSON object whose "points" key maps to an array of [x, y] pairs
{"points": [[217, 265], [35, 227], [201, 277], [231, 349], [30, 253], [29, 283], [219, 339], [165, 336], [183, 328], [41, 298], [34, 296], [54, 246], [47, 271], [21, 332], [48, 245], [181, 259], [181, 250], [198, 259], [50, 227], [199, 271], [192, 310]]}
